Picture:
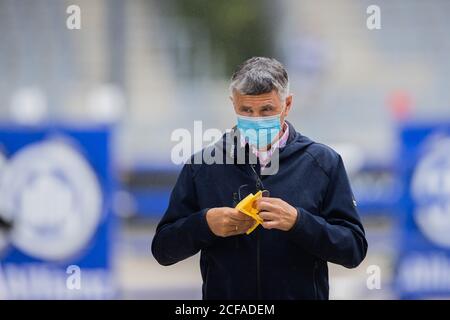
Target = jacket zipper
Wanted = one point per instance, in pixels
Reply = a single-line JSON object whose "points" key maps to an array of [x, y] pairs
{"points": [[235, 202], [258, 262], [206, 282], [258, 241], [314, 280]]}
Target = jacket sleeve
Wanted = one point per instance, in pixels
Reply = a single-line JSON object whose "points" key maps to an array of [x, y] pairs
{"points": [[336, 234], [183, 231]]}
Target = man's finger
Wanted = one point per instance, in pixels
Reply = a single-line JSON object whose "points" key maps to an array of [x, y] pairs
{"points": [[239, 216], [263, 205], [231, 232], [249, 224], [242, 227], [241, 220], [268, 215], [270, 224], [271, 200], [246, 224], [236, 231]]}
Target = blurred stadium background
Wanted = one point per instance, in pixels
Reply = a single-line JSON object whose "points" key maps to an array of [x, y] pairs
{"points": [[142, 69]]}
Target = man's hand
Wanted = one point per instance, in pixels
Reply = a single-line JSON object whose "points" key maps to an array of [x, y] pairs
{"points": [[276, 213], [225, 222]]}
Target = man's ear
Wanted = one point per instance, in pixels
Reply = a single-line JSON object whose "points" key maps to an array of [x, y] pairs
{"points": [[288, 104]]}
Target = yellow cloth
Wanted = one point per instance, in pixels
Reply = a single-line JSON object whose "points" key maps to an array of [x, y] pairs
{"points": [[248, 207]]}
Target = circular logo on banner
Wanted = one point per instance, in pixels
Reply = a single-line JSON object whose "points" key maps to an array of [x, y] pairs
{"points": [[53, 197], [430, 189]]}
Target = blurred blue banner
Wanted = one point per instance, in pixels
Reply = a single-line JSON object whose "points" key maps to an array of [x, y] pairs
{"points": [[55, 191], [423, 269]]}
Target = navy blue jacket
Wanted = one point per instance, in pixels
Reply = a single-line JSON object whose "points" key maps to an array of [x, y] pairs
{"points": [[267, 264]]}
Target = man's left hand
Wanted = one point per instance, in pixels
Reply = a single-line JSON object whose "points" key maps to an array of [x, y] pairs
{"points": [[276, 213]]}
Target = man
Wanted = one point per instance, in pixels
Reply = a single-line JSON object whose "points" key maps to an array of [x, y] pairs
{"points": [[308, 210]]}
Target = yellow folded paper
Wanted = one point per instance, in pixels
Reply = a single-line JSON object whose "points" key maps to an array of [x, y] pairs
{"points": [[248, 207]]}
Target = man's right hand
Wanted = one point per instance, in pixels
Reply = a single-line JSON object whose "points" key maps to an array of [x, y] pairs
{"points": [[225, 222]]}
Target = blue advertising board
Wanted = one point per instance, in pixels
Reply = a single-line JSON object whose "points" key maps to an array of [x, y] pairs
{"points": [[55, 191], [423, 268]]}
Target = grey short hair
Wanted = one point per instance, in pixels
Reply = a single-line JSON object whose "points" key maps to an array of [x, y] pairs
{"points": [[260, 75]]}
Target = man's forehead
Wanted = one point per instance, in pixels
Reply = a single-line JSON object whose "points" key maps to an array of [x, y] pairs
{"points": [[264, 98]]}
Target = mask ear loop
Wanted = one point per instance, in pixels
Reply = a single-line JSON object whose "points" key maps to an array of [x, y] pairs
{"points": [[239, 191], [284, 109]]}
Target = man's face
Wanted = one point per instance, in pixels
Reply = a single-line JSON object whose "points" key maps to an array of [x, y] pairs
{"points": [[263, 105]]}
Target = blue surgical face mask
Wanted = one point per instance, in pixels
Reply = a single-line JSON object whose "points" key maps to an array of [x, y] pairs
{"points": [[259, 131]]}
